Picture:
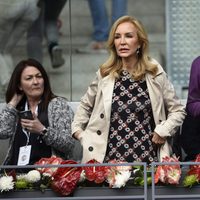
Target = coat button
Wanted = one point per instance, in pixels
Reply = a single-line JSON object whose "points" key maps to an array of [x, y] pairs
{"points": [[90, 148], [102, 115], [98, 132]]}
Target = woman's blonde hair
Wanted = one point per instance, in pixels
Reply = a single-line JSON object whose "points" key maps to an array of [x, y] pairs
{"points": [[114, 66]]}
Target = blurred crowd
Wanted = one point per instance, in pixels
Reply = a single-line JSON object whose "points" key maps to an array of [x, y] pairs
{"points": [[38, 19]]}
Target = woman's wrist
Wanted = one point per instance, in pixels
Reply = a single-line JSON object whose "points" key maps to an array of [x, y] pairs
{"points": [[43, 131], [77, 135], [12, 104]]}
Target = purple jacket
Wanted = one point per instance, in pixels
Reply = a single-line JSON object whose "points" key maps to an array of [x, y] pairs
{"points": [[193, 102]]}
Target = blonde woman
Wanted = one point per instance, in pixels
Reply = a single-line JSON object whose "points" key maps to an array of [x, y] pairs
{"points": [[130, 109]]}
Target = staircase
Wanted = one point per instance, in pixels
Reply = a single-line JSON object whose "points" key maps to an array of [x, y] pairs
{"points": [[72, 79]]}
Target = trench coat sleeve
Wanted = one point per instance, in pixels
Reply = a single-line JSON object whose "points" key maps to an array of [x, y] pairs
{"points": [[193, 102], [173, 110], [58, 136], [85, 107]]}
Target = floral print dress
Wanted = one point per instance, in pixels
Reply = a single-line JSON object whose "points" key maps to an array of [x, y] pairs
{"points": [[131, 122]]}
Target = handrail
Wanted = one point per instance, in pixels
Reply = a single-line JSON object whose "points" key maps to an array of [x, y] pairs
{"points": [[132, 196], [168, 196], [152, 192]]}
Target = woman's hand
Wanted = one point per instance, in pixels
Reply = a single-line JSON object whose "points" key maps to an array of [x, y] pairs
{"points": [[15, 99], [156, 139], [32, 125], [77, 135]]}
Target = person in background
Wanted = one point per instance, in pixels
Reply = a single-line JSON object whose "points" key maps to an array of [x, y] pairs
{"points": [[189, 138], [15, 19], [130, 109], [46, 131], [101, 22], [46, 25]]}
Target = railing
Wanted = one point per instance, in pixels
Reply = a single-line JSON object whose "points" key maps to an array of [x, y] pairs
{"points": [[174, 192], [145, 192], [139, 193]]}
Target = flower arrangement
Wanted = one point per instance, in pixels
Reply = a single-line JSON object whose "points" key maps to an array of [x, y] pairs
{"points": [[193, 175], [53, 160], [95, 173], [138, 175], [117, 176], [168, 174], [6, 183], [61, 180], [64, 180], [32, 179]]}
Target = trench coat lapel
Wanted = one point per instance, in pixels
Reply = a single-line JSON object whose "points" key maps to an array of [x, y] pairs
{"points": [[154, 94], [107, 91]]}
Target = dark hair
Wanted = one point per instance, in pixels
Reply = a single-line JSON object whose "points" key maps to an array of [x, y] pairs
{"points": [[14, 83]]}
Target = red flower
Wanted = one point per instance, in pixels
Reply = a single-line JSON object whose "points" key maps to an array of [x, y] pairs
{"points": [[159, 175], [95, 173], [193, 175], [66, 178], [195, 169], [117, 176], [12, 173], [169, 174], [46, 161]]}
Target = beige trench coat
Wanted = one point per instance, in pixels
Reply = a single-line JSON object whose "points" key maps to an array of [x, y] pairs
{"points": [[93, 114]]}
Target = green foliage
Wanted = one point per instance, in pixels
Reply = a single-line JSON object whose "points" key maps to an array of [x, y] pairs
{"points": [[138, 176], [190, 180]]}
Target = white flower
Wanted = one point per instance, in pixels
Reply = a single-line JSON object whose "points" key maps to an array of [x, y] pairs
{"points": [[46, 174], [117, 176], [33, 176], [21, 177], [82, 176], [121, 178], [6, 183], [123, 168]]}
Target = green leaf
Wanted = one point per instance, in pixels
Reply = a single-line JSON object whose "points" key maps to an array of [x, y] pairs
{"points": [[138, 180], [190, 180], [21, 184], [149, 180]]}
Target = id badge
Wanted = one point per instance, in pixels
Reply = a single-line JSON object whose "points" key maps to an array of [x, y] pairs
{"points": [[24, 155]]}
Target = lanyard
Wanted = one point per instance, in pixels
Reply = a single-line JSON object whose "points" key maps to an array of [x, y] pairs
{"points": [[27, 133]]}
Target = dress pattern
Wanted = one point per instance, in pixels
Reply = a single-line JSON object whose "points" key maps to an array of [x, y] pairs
{"points": [[131, 122]]}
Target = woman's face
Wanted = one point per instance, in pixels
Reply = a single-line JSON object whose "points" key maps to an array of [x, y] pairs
{"points": [[32, 82], [126, 40]]}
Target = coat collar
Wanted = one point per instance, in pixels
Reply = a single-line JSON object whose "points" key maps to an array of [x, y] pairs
{"points": [[107, 86], [159, 71]]}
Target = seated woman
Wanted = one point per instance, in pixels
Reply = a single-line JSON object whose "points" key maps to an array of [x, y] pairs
{"points": [[44, 131], [190, 135], [130, 109]]}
